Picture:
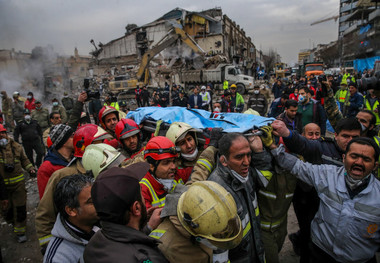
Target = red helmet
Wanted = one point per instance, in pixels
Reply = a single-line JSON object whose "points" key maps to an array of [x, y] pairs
{"points": [[2, 128], [104, 112], [126, 128], [160, 148], [85, 135]]}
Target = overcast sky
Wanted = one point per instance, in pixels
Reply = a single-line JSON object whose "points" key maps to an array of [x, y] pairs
{"points": [[66, 24]]}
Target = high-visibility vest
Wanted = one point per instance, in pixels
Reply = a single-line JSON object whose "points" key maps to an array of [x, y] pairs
{"points": [[375, 105], [205, 96], [160, 202], [225, 85], [342, 95]]}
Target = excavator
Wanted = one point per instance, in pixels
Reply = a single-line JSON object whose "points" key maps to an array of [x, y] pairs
{"points": [[124, 83]]}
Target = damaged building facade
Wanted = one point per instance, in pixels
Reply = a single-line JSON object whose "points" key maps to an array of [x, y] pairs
{"points": [[214, 32]]}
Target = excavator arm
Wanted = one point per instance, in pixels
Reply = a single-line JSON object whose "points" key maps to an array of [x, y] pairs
{"points": [[150, 54]]}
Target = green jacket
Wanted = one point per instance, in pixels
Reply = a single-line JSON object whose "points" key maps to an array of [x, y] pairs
{"points": [[42, 117]]}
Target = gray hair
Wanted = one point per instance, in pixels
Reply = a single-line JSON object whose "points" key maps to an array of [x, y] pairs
{"points": [[67, 191], [226, 141]]}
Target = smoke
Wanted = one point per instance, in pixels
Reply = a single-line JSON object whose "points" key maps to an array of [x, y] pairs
{"points": [[182, 52], [42, 72]]}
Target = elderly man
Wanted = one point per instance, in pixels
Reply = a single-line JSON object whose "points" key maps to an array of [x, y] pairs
{"points": [[233, 172], [75, 222], [345, 228]]}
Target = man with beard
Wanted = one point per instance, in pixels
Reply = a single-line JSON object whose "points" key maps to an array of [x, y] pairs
{"points": [[129, 135], [75, 222], [162, 177], [120, 206], [345, 228]]}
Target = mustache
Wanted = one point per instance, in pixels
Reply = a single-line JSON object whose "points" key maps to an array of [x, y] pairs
{"points": [[357, 165]]}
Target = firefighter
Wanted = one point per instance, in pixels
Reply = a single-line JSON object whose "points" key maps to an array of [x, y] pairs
{"points": [[99, 157], [184, 136], [13, 161], [161, 179], [108, 118], [17, 107], [46, 213], [129, 135], [6, 103], [200, 224]]}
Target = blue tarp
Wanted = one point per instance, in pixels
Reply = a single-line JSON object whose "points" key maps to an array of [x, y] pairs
{"points": [[365, 63], [364, 29], [230, 122]]}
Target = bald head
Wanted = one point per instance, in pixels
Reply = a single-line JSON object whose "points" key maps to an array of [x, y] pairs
{"points": [[311, 131]]}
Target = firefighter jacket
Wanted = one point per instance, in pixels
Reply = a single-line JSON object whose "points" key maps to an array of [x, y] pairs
{"points": [[276, 195], [251, 248], [46, 212], [204, 166], [345, 226], [258, 103], [13, 155], [42, 117], [178, 245], [61, 111], [153, 191]]}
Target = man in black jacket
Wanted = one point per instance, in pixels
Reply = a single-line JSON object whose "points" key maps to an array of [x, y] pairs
{"points": [[31, 135], [119, 204]]}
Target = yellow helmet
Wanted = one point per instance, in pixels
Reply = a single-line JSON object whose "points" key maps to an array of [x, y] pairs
{"points": [[207, 210], [178, 130], [233, 86]]}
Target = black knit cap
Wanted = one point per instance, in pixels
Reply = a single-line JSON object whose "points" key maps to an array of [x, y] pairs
{"points": [[116, 189], [59, 135]]}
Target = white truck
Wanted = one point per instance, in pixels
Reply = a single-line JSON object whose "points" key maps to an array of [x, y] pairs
{"points": [[217, 76]]}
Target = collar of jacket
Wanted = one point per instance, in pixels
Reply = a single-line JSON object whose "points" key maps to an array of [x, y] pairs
{"points": [[126, 234], [226, 174]]}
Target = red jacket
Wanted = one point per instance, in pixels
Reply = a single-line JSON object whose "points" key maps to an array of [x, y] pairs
{"points": [[53, 162], [43, 175], [158, 189], [30, 104], [293, 96]]}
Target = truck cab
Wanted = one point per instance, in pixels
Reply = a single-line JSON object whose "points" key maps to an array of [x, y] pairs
{"points": [[315, 68], [234, 76]]}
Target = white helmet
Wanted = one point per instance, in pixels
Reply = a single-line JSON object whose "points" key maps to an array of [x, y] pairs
{"points": [[98, 157]]}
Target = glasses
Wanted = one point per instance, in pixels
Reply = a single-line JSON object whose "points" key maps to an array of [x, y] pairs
{"points": [[56, 118]]}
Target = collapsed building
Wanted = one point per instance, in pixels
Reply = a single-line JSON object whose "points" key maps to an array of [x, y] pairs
{"points": [[217, 39]]}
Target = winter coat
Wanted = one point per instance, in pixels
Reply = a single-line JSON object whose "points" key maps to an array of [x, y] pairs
{"points": [[53, 161], [18, 110], [258, 103], [192, 103], [42, 117], [117, 243], [30, 132], [30, 104]]}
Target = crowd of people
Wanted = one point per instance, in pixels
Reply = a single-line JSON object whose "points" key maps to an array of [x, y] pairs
{"points": [[112, 192]]}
